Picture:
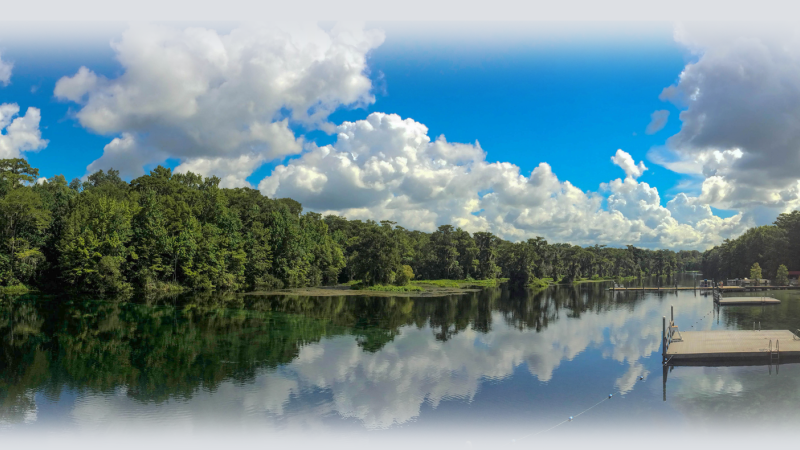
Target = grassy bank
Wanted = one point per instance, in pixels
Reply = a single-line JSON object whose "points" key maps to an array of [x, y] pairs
{"points": [[594, 279], [15, 290], [417, 288]]}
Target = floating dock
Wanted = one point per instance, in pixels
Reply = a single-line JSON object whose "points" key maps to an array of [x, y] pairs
{"points": [[724, 344], [698, 347], [723, 301]]}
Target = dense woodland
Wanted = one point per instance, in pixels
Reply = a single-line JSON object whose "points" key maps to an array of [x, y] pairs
{"points": [[167, 231], [768, 247]]}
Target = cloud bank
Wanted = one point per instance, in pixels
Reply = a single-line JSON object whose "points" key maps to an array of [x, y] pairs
{"points": [[740, 128], [221, 103], [386, 167]]}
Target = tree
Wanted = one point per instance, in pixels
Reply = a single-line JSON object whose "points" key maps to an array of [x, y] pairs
{"points": [[15, 173], [782, 276], [380, 253], [444, 253], [755, 273], [487, 255], [467, 254], [150, 242], [23, 219], [404, 275], [93, 247]]}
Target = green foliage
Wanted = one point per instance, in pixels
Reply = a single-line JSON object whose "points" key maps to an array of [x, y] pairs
{"points": [[404, 275], [386, 288], [439, 283], [755, 273], [782, 276], [93, 247], [167, 232], [768, 245], [380, 249], [537, 283], [460, 283], [486, 244]]}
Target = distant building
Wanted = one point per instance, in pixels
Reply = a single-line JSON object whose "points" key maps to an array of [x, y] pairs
{"points": [[794, 276], [751, 282]]}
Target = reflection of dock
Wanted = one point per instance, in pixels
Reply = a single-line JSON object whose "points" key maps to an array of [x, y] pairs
{"points": [[723, 301]]}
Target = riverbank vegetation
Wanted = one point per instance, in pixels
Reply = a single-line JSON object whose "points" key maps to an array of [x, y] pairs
{"points": [[768, 246], [169, 232]]}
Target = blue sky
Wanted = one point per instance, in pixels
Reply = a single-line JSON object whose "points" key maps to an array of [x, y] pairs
{"points": [[564, 95], [569, 103]]}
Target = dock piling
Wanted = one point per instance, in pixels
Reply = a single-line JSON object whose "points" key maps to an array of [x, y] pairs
{"points": [[664, 337]]}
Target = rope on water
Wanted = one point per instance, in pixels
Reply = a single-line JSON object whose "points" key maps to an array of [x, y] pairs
{"points": [[570, 418]]}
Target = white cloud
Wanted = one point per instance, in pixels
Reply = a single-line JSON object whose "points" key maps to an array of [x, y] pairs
{"points": [[688, 209], [386, 167], [19, 134], [658, 120], [741, 120], [625, 161], [215, 100], [74, 88], [5, 71]]}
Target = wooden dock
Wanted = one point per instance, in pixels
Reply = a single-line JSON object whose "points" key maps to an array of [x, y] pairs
{"points": [[704, 289], [729, 301], [764, 345]]}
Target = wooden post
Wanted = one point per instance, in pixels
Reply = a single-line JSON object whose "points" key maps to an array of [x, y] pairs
{"points": [[664, 338], [672, 315]]}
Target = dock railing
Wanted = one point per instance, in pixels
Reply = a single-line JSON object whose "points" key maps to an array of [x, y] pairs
{"points": [[668, 334]]}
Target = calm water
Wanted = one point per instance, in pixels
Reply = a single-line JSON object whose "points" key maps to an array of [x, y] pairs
{"points": [[496, 362]]}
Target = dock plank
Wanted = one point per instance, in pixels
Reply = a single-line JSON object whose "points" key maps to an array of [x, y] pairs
{"points": [[748, 301], [725, 344]]}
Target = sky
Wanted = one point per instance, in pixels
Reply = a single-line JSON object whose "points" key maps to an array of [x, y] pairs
{"points": [[657, 134]]}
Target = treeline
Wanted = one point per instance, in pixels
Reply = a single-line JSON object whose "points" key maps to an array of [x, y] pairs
{"points": [[769, 246], [167, 230]]}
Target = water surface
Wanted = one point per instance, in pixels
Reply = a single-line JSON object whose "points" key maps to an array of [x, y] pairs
{"points": [[499, 362]]}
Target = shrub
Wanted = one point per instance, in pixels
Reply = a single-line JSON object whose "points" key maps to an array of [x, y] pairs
{"points": [[404, 276]]}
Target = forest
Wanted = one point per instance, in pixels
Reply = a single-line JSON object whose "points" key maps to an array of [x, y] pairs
{"points": [[770, 247], [168, 231]]}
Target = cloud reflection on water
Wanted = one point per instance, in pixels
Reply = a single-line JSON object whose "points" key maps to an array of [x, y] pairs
{"points": [[388, 387]]}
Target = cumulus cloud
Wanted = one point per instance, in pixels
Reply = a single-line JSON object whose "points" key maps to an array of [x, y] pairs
{"points": [[741, 121], [19, 134], [658, 120], [688, 209], [217, 101], [625, 161], [386, 167], [5, 71]]}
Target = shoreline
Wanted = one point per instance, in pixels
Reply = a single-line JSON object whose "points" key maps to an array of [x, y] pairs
{"points": [[433, 288]]}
